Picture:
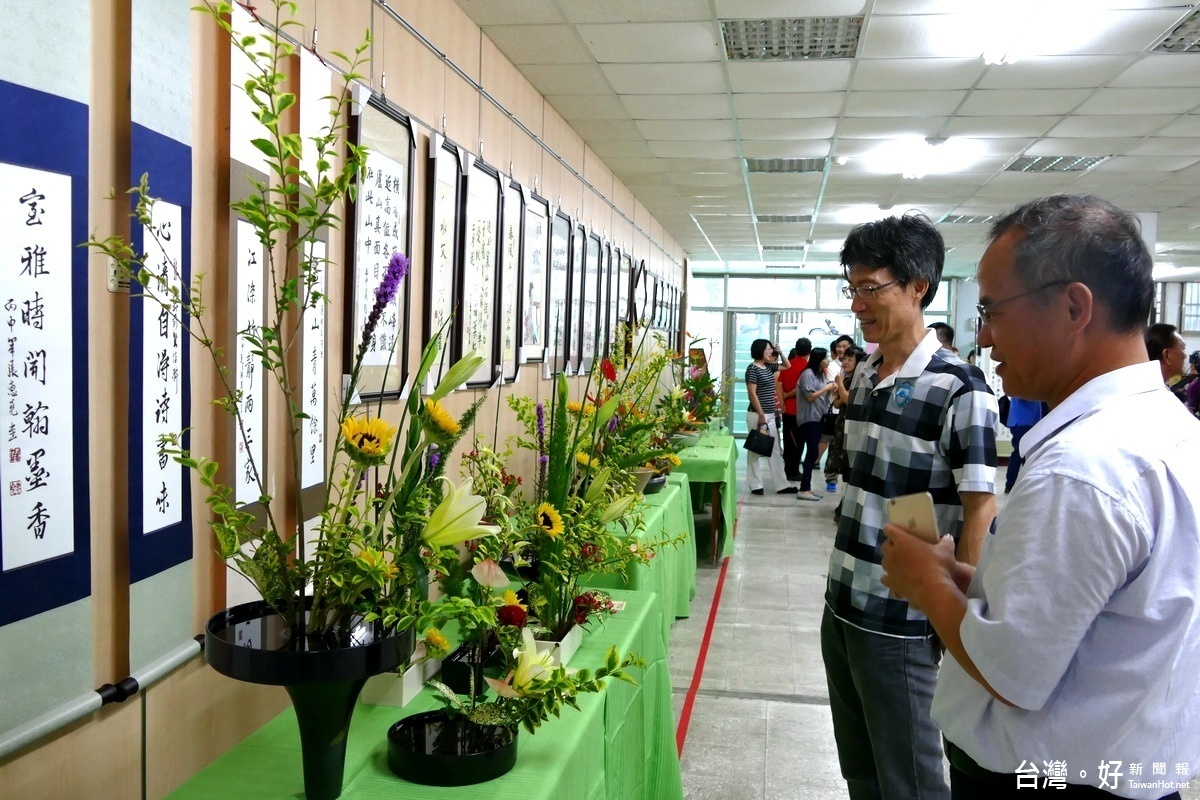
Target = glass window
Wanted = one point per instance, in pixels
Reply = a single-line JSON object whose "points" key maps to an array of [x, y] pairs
{"points": [[772, 292], [708, 326], [941, 300], [706, 291], [830, 288], [1190, 316]]}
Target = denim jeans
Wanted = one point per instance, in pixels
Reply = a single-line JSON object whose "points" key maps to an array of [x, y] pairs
{"points": [[880, 691]]}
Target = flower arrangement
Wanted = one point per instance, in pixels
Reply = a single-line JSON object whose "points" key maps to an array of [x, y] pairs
{"points": [[702, 392], [372, 549]]}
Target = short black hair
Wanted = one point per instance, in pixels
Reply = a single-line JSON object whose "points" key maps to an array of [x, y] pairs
{"points": [[1159, 337], [758, 347], [910, 247], [944, 331], [1084, 238], [845, 337], [803, 347]]}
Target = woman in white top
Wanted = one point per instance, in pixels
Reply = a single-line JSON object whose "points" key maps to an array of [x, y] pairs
{"points": [[813, 396], [837, 348]]}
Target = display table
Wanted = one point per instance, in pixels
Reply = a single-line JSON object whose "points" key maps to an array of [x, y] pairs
{"points": [[713, 461], [671, 574], [619, 745]]}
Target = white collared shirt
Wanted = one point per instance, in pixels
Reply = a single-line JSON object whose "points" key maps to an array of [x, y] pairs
{"points": [[1085, 609]]}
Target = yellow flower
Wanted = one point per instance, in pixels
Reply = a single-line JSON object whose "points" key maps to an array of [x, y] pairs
{"points": [[457, 517], [549, 520], [438, 423], [575, 407], [509, 598], [674, 459], [586, 461], [367, 440], [374, 566], [436, 643]]}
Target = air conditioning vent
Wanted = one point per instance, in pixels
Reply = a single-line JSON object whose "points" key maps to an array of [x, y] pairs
{"points": [[785, 165], [783, 248], [1185, 38], [783, 217], [791, 39], [968, 219], [1055, 163]]}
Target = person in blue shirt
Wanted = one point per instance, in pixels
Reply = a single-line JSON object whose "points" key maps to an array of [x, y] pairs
{"points": [[1022, 415]]}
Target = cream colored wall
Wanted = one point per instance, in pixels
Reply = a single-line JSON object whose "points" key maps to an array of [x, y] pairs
{"points": [[193, 715]]}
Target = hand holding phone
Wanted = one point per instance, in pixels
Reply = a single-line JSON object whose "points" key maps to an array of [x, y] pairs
{"points": [[915, 512]]}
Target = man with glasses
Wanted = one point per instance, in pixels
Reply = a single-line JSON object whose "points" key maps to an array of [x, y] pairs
{"points": [[919, 419], [1074, 643]]}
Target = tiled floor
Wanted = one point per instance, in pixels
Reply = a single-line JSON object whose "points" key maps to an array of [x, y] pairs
{"points": [[760, 724]]}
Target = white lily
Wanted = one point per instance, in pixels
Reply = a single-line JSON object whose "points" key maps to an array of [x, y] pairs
{"points": [[457, 518], [617, 508], [488, 573], [531, 666]]}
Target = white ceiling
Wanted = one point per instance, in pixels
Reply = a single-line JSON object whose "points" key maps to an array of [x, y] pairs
{"points": [[647, 85]]}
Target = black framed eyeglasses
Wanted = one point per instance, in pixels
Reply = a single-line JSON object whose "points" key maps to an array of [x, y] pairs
{"points": [[987, 311], [865, 292]]}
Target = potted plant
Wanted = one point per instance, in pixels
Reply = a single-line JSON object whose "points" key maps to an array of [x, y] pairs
{"points": [[335, 610]]}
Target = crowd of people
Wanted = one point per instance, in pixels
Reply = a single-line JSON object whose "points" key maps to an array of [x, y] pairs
{"points": [[1051, 645]]}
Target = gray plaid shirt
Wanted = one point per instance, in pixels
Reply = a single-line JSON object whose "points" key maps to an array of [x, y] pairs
{"points": [[930, 426]]}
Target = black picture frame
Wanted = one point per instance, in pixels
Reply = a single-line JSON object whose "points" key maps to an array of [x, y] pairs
{"points": [[612, 272], [445, 205], [558, 281], [589, 320], [535, 259], [576, 270], [476, 326], [625, 288], [512, 232], [372, 221]]}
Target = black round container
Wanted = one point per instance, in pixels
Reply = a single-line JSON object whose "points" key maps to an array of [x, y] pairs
{"points": [[437, 749]]}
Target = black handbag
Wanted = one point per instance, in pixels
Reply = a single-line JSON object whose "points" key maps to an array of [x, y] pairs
{"points": [[759, 442], [829, 423]]}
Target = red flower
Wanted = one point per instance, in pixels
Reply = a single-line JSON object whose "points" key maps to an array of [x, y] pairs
{"points": [[512, 615], [608, 370]]}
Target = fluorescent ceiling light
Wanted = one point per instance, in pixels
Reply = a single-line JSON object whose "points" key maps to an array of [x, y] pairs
{"points": [[915, 157]]}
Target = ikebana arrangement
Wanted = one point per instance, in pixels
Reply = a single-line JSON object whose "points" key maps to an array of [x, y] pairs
{"points": [[353, 600]]}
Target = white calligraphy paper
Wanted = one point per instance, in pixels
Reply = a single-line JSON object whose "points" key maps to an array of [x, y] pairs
{"points": [[441, 274], [35, 239], [533, 281], [312, 430], [479, 272], [510, 273], [162, 379], [556, 312], [247, 369], [381, 215]]}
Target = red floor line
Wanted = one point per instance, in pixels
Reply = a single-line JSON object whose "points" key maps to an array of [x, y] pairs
{"points": [[685, 716]]}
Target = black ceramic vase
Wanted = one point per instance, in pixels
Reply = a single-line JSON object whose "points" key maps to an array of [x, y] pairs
{"points": [[439, 749], [323, 677], [655, 484]]}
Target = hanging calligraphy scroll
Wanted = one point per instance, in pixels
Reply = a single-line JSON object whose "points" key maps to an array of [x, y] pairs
{"points": [[533, 278], [624, 285], [476, 322], [612, 267], [312, 401], [44, 546], [556, 302], [382, 225], [590, 305], [575, 299], [512, 219], [248, 373], [445, 179]]}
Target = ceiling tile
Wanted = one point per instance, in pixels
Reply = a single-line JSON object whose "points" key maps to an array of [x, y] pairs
{"points": [[581, 11], [918, 36], [786, 148], [498, 12], [676, 107], [1159, 70], [692, 129], [987, 127], [677, 149], [539, 44], [658, 42], [998, 102], [779, 9], [1147, 164], [567, 78], [1139, 101], [633, 79], [1188, 125], [887, 127], [621, 148], [832, 75], [1094, 125], [595, 130], [1054, 72], [798, 106], [903, 104], [1095, 146], [887, 74], [587, 106], [786, 128]]}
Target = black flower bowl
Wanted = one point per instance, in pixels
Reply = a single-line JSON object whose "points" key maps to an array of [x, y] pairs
{"points": [[436, 749]]}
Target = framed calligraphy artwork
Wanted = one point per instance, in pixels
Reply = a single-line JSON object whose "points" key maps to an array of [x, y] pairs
{"points": [[556, 300], [381, 221], [44, 538], [476, 321], [512, 218], [577, 269], [445, 194], [247, 369], [534, 250], [588, 327]]}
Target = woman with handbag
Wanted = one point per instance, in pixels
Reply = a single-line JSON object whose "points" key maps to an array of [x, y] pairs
{"points": [[760, 421], [812, 401]]}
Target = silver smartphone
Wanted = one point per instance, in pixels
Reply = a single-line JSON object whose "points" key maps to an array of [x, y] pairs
{"points": [[915, 512]]}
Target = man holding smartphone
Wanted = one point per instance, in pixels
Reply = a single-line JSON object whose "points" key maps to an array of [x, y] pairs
{"points": [[919, 419], [1074, 643]]}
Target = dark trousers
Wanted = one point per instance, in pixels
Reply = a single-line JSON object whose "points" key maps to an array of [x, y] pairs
{"points": [[969, 781], [792, 447], [1015, 461], [810, 437]]}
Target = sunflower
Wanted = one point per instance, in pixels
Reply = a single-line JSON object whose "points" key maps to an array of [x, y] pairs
{"points": [[674, 460], [586, 461], [549, 520], [367, 439], [438, 423], [436, 644], [575, 407], [509, 598]]}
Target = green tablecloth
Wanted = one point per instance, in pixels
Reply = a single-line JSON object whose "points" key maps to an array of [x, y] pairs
{"points": [[672, 572], [620, 745], [713, 460]]}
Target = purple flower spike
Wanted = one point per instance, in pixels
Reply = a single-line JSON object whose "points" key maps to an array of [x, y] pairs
{"points": [[397, 268], [613, 423], [543, 460], [541, 422]]}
